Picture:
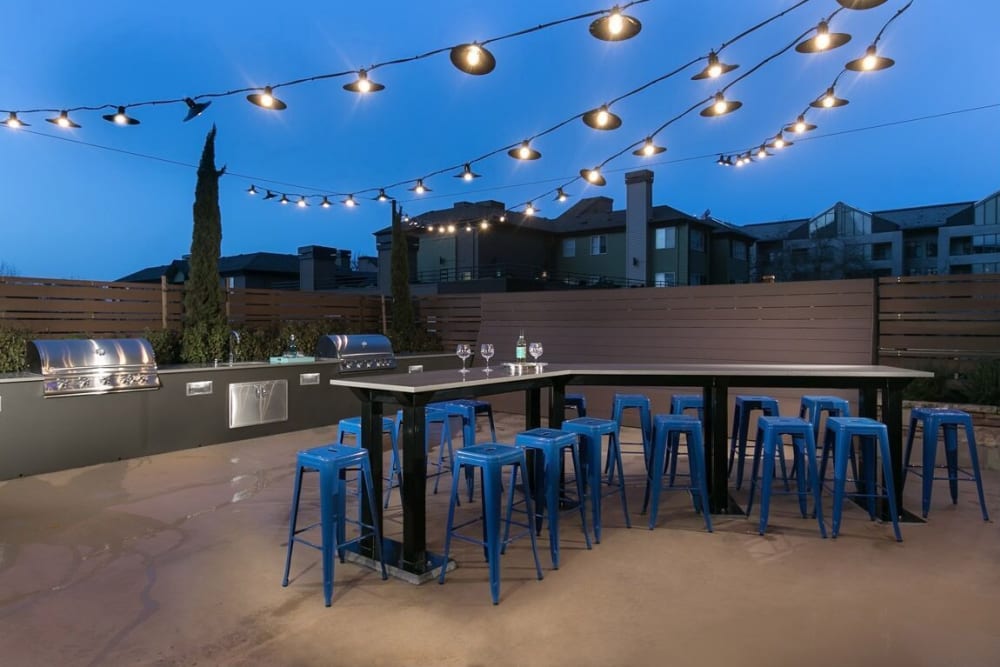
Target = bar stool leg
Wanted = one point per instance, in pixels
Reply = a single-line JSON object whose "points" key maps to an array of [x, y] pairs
{"points": [[970, 438], [293, 519]]}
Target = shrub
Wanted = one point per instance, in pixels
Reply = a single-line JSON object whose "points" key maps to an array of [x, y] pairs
{"points": [[13, 350], [166, 345], [983, 384]]}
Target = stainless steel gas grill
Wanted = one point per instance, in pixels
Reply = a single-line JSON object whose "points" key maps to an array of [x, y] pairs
{"points": [[357, 352], [73, 367]]}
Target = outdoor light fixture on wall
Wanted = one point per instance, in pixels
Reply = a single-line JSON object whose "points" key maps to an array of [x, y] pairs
{"points": [[120, 118], [62, 120], [714, 69], [524, 152], [267, 100], [363, 84], [473, 58], [602, 119], [615, 26]]}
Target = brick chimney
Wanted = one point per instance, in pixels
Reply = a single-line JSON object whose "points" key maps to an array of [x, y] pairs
{"points": [[638, 209]]}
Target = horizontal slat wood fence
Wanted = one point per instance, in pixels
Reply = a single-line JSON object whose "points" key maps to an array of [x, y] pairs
{"points": [[945, 323]]}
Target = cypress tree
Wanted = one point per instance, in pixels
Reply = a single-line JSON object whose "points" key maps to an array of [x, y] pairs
{"points": [[204, 318]]}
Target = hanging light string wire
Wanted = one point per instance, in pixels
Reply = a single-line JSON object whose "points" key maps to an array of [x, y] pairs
{"points": [[321, 77]]}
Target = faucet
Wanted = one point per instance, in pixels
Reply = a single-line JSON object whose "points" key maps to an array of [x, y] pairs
{"points": [[232, 355]]}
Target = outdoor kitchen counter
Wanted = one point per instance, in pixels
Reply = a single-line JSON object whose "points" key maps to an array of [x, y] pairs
{"points": [[415, 390]]}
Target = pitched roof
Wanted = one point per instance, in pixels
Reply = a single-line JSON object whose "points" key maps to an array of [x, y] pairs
{"points": [[916, 217], [257, 262]]}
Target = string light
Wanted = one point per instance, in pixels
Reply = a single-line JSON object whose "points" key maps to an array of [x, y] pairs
{"points": [[269, 195], [714, 69], [325, 203], [302, 203], [63, 120], [382, 196], [530, 209], [120, 118], [561, 195], [721, 106], [467, 173], [14, 122], [283, 200], [349, 202], [602, 119], [860, 4], [473, 59], [593, 176], [419, 187], [195, 109], [524, 152], [870, 62], [800, 125], [828, 100], [252, 190], [363, 84], [648, 149], [266, 100], [823, 40], [615, 26]]}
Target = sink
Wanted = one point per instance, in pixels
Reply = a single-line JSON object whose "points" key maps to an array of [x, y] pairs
{"points": [[292, 360]]}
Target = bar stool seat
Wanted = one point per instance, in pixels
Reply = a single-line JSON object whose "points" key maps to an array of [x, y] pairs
{"points": [[743, 406], [842, 431], [591, 430], [490, 458], [666, 432], [947, 421], [331, 462], [352, 426], [551, 444], [640, 402], [769, 432]]}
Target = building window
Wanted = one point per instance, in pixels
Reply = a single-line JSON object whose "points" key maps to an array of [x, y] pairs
{"points": [[985, 243], [740, 250], [882, 251], [664, 279], [696, 279], [666, 237], [698, 240], [599, 245], [569, 248]]}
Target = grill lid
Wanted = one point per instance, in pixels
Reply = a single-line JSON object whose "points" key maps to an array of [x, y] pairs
{"points": [[357, 352], [93, 366]]}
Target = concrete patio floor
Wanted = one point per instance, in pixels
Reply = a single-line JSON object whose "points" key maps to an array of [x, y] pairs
{"points": [[176, 559]]}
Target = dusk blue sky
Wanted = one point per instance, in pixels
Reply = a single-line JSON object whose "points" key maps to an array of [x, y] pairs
{"points": [[72, 208]]}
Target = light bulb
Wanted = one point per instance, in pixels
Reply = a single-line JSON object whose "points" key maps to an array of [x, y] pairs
{"points": [[473, 55], [602, 117], [779, 140], [823, 41], [266, 100], [869, 61], [325, 203], [301, 203], [349, 202], [63, 121], [524, 152], [382, 196], [720, 105], [593, 175], [420, 189], [121, 118], [484, 225], [529, 209], [800, 125], [451, 229], [615, 22], [648, 148], [714, 70], [828, 101]]}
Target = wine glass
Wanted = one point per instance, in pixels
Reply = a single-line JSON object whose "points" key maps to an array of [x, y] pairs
{"points": [[464, 351], [535, 350], [486, 350]]}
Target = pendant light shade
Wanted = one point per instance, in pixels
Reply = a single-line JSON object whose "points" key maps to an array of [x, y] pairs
{"points": [[419, 187], [120, 118], [382, 196], [195, 109], [14, 122], [561, 195], [593, 176], [779, 142], [350, 201], [648, 149], [467, 174], [266, 100], [823, 40], [602, 119], [62, 120], [860, 4], [283, 200], [473, 59], [363, 84], [714, 69], [870, 62], [325, 203], [800, 126], [615, 26], [270, 195], [524, 152], [720, 106], [252, 190], [828, 100]]}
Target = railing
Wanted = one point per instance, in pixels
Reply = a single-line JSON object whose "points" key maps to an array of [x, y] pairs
{"points": [[539, 278]]}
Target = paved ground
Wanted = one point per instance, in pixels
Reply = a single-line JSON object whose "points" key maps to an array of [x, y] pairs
{"points": [[176, 560]]}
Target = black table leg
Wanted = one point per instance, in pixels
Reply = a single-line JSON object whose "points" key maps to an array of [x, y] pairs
{"points": [[371, 440], [414, 491], [715, 397]]}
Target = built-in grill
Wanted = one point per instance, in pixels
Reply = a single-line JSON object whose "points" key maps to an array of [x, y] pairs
{"points": [[357, 352], [73, 367]]}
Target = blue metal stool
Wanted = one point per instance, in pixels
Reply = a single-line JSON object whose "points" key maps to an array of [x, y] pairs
{"points": [[769, 432], [812, 409], [432, 416], [948, 421], [638, 402], [469, 410], [843, 430], [590, 431], [744, 405], [578, 402], [490, 459], [352, 426], [679, 404], [550, 444], [665, 428], [331, 461]]}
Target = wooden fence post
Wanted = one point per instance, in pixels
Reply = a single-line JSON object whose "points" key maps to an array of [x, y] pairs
{"points": [[163, 301]]}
